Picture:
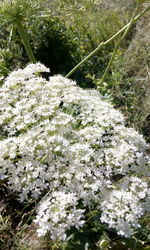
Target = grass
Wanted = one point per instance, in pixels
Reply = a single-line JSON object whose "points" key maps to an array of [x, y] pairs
{"points": [[131, 73]]}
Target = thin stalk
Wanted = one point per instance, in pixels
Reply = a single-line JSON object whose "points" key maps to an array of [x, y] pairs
{"points": [[85, 59], [10, 36], [118, 44], [4, 68], [25, 40], [105, 43]]}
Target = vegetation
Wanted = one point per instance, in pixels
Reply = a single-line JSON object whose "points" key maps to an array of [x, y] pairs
{"points": [[60, 34]]}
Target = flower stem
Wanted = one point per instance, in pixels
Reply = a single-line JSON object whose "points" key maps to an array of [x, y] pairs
{"points": [[118, 44], [4, 68], [106, 42], [23, 34]]}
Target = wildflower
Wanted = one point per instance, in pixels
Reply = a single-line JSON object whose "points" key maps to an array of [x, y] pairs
{"points": [[69, 142]]}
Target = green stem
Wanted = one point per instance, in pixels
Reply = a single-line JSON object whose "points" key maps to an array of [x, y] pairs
{"points": [[118, 44], [105, 43], [4, 68], [25, 40], [85, 59]]}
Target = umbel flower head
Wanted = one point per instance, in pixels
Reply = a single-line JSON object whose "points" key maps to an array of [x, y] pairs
{"points": [[69, 143], [17, 10]]}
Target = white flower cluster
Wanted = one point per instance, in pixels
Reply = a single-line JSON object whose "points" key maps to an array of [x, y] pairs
{"points": [[123, 206], [69, 142], [59, 213]]}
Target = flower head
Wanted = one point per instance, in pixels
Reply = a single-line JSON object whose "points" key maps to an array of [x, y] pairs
{"points": [[14, 10], [69, 142]]}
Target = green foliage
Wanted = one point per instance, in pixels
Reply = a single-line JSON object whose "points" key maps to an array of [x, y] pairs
{"points": [[91, 23], [53, 46], [10, 52], [94, 236], [129, 82], [90, 29], [50, 43]]}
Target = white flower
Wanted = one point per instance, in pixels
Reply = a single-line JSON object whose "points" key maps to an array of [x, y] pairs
{"points": [[122, 208], [58, 214], [69, 142]]}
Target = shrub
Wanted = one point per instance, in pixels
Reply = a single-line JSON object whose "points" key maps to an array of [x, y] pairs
{"points": [[70, 148]]}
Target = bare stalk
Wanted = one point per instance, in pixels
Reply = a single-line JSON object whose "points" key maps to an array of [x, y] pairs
{"points": [[106, 42], [118, 44]]}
